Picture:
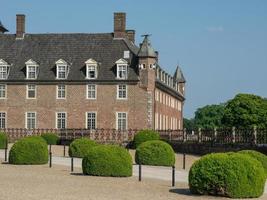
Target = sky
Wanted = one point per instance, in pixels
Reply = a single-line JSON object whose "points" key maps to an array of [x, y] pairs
{"points": [[221, 45]]}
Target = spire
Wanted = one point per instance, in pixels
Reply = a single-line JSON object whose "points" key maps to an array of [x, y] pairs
{"points": [[178, 75], [2, 28], [146, 49]]}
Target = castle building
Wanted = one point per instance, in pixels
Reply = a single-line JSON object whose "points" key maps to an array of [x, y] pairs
{"points": [[81, 80]]}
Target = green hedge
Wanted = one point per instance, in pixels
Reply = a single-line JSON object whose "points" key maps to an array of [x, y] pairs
{"points": [[29, 151], [145, 135], [108, 160], [232, 175], [155, 152], [80, 147], [50, 138], [262, 158], [3, 140]]}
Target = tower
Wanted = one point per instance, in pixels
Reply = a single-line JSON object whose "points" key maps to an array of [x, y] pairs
{"points": [[179, 80], [147, 64]]}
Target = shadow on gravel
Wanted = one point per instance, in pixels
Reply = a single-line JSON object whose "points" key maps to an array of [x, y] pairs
{"points": [[183, 191], [77, 174]]}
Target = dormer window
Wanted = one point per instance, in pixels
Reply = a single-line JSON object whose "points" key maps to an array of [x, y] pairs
{"points": [[62, 69], [31, 69], [122, 69], [4, 69], [91, 69]]}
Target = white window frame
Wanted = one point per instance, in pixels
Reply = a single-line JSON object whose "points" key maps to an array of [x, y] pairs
{"points": [[62, 63], [27, 91], [4, 90], [117, 121], [118, 92], [58, 90], [4, 73], [1, 118], [86, 119], [26, 120], [91, 63], [62, 71], [31, 64], [66, 117], [121, 63], [87, 91]]}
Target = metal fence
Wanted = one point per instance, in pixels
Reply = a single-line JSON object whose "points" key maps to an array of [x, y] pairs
{"points": [[212, 136]]}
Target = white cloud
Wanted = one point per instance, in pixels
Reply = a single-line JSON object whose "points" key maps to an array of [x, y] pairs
{"points": [[215, 29]]}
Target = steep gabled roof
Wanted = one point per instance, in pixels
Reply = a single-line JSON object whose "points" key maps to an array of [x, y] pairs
{"points": [[75, 49], [146, 49], [2, 28], [178, 75]]}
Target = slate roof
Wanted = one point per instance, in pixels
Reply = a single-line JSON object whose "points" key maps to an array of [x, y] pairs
{"points": [[75, 49], [146, 49], [179, 76]]}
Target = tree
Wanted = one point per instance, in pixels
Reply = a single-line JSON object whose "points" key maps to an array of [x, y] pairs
{"points": [[189, 124], [246, 111], [210, 116]]}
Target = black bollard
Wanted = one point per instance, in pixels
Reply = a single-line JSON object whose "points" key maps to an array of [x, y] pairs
{"points": [[50, 159], [50, 148], [184, 161], [64, 150], [140, 172], [71, 164], [173, 176], [6, 148]]}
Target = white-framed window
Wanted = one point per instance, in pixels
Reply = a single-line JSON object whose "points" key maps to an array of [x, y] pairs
{"points": [[61, 71], [31, 72], [31, 91], [3, 72], [4, 69], [122, 91], [91, 120], [61, 91], [91, 71], [121, 120], [2, 91], [126, 54], [121, 68], [2, 119], [61, 120], [30, 120], [91, 91]]}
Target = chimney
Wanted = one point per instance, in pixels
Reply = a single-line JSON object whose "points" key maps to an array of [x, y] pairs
{"points": [[119, 25], [131, 35], [20, 26], [157, 56]]}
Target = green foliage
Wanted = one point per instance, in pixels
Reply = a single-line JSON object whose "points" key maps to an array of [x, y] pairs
{"points": [[155, 152], [29, 151], [209, 117], [246, 110], [258, 156], [233, 175], [189, 124], [3, 140], [107, 160], [145, 135], [50, 138], [80, 147]]}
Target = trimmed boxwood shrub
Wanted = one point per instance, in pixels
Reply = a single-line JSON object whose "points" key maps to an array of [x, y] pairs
{"points": [[145, 135], [29, 151], [80, 147], [155, 152], [108, 160], [3, 140], [262, 158], [50, 138], [233, 175]]}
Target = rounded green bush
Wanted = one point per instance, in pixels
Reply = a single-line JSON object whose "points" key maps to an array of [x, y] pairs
{"points": [[232, 175], [145, 135], [29, 151], [3, 140], [108, 160], [50, 138], [156, 153], [262, 158], [80, 147]]}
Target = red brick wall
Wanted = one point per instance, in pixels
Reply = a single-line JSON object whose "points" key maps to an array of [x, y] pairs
{"points": [[76, 105]]}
